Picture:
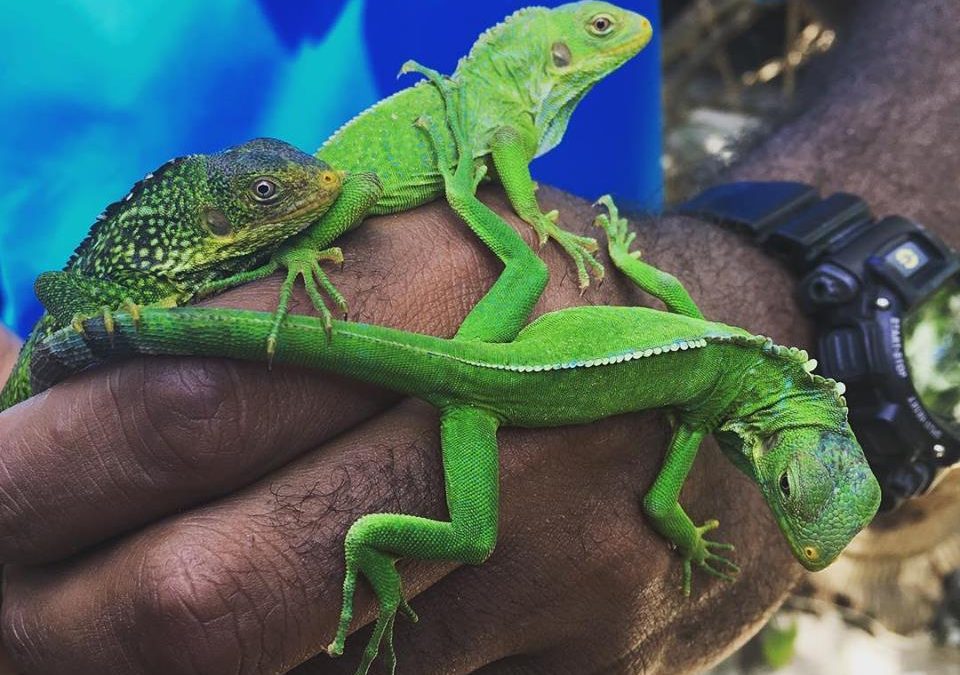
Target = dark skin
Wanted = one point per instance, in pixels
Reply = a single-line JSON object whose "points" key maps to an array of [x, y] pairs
{"points": [[187, 516]]}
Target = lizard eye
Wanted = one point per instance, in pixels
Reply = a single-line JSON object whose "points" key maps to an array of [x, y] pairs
{"points": [[785, 484], [601, 24], [264, 189]]}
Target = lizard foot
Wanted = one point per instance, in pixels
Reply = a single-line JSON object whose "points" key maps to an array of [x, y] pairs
{"points": [[305, 263], [701, 552], [580, 249], [78, 322], [619, 237], [380, 570], [468, 175]]}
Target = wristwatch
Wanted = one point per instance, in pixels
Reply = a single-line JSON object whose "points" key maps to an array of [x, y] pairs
{"points": [[885, 298]]}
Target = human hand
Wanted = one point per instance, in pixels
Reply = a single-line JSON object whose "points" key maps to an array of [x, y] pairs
{"points": [[195, 509], [234, 485]]}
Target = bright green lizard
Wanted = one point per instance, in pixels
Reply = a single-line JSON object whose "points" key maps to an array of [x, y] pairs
{"points": [[780, 424], [519, 85], [194, 220]]}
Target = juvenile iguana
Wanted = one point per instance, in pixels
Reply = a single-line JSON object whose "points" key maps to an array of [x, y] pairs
{"points": [[518, 85], [783, 426], [194, 220]]}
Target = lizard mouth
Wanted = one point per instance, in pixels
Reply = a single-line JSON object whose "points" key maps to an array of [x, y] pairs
{"points": [[308, 207], [319, 200], [631, 47]]}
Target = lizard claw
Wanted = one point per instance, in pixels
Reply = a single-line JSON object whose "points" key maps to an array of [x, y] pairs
{"points": [[77, 324], [133, 309], [408, 66], [702, 553], [271, 350]]}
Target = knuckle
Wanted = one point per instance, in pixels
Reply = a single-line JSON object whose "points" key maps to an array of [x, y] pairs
{"points": [[194, 412], [184, 613]]}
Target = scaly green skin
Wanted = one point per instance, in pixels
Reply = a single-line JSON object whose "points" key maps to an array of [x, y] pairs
{"points": [[518, 88], [784, 427], [193, 221]]}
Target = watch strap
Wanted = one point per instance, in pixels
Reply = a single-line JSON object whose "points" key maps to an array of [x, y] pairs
{"points": [[789, 219]]}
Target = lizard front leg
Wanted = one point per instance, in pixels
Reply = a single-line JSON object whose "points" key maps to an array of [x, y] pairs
{"points": [[300, 255], [468, 439], [509, 149], [670, 520]]}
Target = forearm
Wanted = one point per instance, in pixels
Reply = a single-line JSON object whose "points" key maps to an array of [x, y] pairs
{"points": [[886, 127], [297, 516]]}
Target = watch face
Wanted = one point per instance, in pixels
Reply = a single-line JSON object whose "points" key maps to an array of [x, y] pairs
{"points": [[931, 343]]}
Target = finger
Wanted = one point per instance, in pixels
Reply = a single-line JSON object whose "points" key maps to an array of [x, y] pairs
{"points": [[117, 448], [255, 579], [258, 571]]}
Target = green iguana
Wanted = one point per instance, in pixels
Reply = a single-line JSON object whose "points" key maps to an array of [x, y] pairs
{"points": [[194, 220], [783, 426], [519, 85]]}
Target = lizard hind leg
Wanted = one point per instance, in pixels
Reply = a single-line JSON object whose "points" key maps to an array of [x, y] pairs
{"points": [[503, 311], [375, 542], [661, 285]]}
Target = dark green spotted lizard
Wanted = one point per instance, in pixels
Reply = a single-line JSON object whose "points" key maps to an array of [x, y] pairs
{"points": [[193, 221]]}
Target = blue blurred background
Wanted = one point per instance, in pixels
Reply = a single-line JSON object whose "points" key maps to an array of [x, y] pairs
{"points": [[96, 93]]}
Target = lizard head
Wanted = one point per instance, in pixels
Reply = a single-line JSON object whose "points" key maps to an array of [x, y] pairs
{"points": [[260, 193], [196, 214], [582, 43], [818, 485], [552, 58]]}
